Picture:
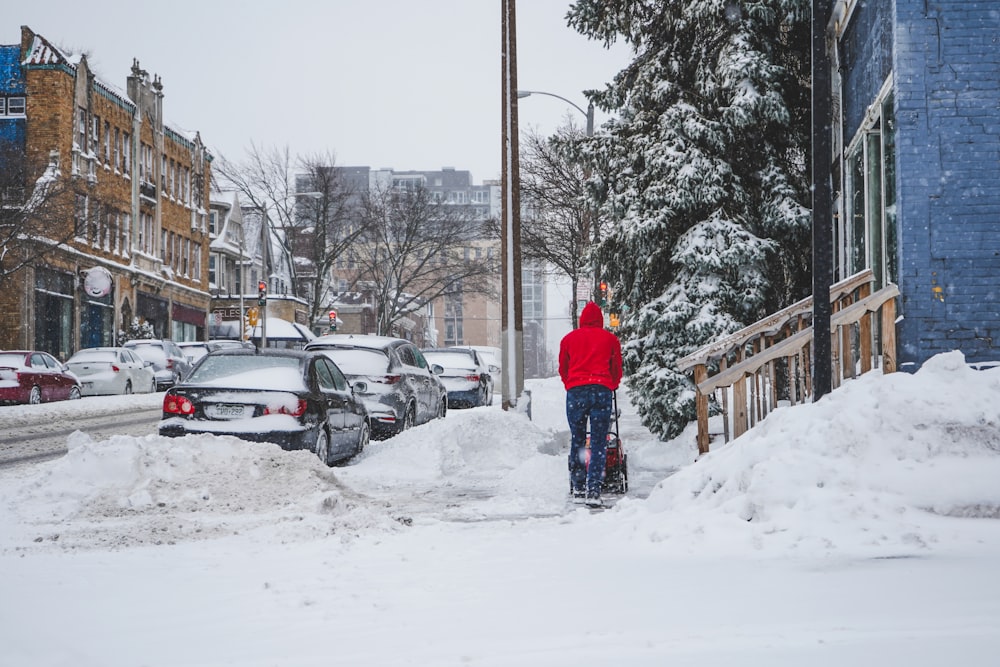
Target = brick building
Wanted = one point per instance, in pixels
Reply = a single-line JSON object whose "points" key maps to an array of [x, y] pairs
{"points": [[917, 166], [136, 194]]}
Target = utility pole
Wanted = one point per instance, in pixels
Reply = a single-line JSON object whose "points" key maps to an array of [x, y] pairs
{"points": [[822, 201], [510, 243]]}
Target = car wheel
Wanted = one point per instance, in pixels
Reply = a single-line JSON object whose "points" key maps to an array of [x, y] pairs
{"points": [[74, 393], [128, 387], [152, 386], [408, 419], [363, 437], [35, 396], [323, 446], [443, 407]]}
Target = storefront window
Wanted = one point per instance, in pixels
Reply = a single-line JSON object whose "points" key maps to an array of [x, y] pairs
{"points": [[54, 312]]}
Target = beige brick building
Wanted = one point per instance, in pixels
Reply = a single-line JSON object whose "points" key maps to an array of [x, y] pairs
{"points": [[137, 200]]}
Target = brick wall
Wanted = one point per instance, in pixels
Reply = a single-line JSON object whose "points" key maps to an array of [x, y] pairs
{"points": [[947, 82]]}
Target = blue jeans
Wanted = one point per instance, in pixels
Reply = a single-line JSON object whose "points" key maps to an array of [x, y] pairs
{"points": [[593, 402]]}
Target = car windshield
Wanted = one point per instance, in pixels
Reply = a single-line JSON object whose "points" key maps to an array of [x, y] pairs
{"points": [[109, 356], [250, 371], [450, 359], [353, 361], [16, 360]]}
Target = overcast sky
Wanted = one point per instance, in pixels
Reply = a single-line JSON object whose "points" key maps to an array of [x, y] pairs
{"points": [[386, 83]]}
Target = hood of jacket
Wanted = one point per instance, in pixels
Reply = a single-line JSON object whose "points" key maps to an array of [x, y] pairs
{"points": [[591, 315]]}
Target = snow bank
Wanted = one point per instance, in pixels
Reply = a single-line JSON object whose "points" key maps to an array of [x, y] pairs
{"points": [[877, 466]]}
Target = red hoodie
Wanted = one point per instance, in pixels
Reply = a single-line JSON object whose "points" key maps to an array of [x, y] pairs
{"points": [[590, 354]]}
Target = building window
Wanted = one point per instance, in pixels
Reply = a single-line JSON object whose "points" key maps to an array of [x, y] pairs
{"points": [[107, 143], [127, 154], [126, 233], [12, 106], [80, 218], [869, 239]]}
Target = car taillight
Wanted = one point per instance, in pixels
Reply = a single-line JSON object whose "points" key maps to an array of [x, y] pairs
{"points": [[115, 368], [297, 411], [170, 364], [177, 405], [472, 378], [387, 379]]}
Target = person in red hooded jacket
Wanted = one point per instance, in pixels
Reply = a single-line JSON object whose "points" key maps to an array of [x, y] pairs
{"points": [[590, 365]]}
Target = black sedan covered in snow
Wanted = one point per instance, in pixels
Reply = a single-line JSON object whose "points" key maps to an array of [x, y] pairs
{"points": [[296, 399]]}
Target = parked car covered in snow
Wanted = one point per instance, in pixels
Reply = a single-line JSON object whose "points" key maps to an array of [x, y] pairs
{"points": [[401, 389], [111, 370], [28, 376], [466, 377], [489, 355], [295, 399], [169, 363]]}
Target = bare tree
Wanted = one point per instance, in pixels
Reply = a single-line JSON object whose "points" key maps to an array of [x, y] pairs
{"points": [[37, 209], [309, 201], [416, 249], [327, 224], [558, 228]]}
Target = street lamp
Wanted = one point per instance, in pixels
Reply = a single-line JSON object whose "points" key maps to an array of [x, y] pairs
{"points": [[588, 114]]}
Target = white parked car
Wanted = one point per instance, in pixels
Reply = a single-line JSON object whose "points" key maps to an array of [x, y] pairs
{"points": [[491, 356], [111, 370]]}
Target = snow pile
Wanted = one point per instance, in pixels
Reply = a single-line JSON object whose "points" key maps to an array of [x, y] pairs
{"points": [[128, 491], [474, 464], [874, 467]]}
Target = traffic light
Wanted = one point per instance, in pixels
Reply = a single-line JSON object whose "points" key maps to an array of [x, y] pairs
{"points": [[261, 293], [333, 320], [603, 293]]}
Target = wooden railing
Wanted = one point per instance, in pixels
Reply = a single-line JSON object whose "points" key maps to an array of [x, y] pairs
{"points": [[749, 371]]}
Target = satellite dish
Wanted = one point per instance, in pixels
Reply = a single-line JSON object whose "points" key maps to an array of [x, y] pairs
{"points": [[98, 282]]}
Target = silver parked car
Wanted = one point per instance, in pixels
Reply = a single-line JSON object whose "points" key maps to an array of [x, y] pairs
{"points": [[401, 389], [111, 370], [170, 366]]}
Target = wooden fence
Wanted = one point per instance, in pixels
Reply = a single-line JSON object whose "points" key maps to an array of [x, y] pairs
{"points": [[748, 371]]}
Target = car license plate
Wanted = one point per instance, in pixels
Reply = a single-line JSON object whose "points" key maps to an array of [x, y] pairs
{"points": [[225, 411]]}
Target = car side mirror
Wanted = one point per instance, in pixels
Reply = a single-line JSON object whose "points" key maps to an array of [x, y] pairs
{"points": [[437, 369], [359, 387], [147, 364], [494, 369]]}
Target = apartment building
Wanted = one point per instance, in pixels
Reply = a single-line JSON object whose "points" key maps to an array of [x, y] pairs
{"points": [[137, 198]]}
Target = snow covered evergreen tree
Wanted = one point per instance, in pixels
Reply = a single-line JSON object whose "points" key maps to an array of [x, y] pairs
{"points": [[702, 178]]}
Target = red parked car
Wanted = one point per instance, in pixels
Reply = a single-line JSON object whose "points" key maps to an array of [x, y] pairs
{"points": [[35, 377]]}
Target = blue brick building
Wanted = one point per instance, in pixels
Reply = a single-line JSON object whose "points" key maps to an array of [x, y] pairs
{"points": [[917, 165]]}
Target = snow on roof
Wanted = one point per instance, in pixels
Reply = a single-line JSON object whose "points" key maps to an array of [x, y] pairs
{"points": [[42, 52]]}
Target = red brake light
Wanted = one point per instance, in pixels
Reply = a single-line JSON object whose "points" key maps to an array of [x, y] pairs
{"points": [[388, 379], [297, 411], [177, 405], [472, 378], [115, 368], [170, 364]]}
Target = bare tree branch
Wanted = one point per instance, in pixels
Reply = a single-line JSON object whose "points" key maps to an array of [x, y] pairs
{"points": [[416, 249], [38, 209]]}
